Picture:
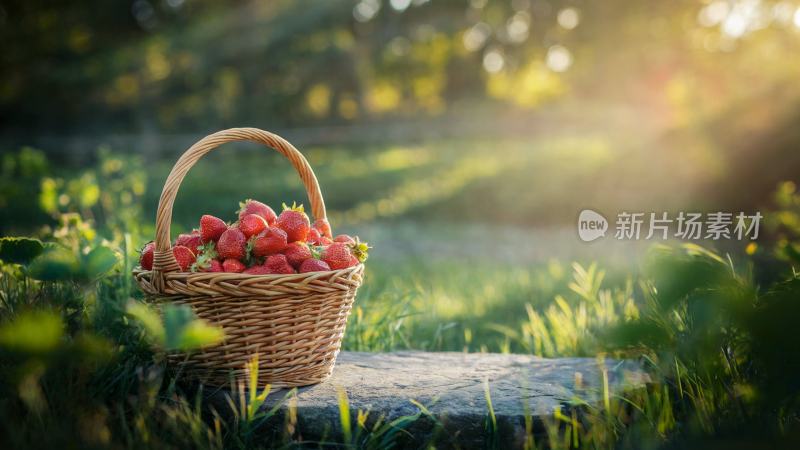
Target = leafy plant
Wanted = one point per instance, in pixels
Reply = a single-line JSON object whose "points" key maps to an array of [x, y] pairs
{"points": [[20, 250], [179, 329]]}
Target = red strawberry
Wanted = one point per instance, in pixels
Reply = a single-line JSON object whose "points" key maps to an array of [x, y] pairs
{"points": [[257, 270], [255, 207], [296, 253], [294, 222], [191, 240], [252, 224], [232, 244], [313, 236], [325, 241], [270, 241], [146, 258], [323, 226], [233, 265], [347, 239], [278, 264], [338, 256], [211, 228], [314, 265], [184, 256], [214, 266]]}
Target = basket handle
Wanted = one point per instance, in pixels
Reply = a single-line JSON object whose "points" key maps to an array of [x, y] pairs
{"points": [[164, 261]]}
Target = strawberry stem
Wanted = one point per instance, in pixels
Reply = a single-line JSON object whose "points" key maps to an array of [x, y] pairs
{"points": [[360, 250], [294, 207], [207, 252]]}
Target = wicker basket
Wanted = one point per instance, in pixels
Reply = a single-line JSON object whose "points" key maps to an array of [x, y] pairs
{"points": [[295, 323]]}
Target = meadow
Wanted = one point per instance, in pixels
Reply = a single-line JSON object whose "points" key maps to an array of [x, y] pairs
{"points": [[470, 254], [461, 139]]}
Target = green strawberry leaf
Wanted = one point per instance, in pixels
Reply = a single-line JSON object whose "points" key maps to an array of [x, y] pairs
{"points": [[208, 252], [294, 207], [360, 250], [249, 258]]}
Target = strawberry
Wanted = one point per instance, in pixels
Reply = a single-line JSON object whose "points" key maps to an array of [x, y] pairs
{"points": [[294, 222], [323, 226], [184, 256], [296, 253], [314, 265], [257, 270], [191, 240], [233, 265], [338, 256], [211, 228], [313, 236], [325, 241], [347, 239], [214, 266], [268, 242], [278, 264], [252, 224], [146, 258], [232, 244], [250, 206]]}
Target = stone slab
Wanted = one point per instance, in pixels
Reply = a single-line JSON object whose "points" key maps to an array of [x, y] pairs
{"points": [[452, 386]]}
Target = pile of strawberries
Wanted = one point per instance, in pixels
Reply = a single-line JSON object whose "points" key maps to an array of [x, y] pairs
{"points": [[262, 242]]}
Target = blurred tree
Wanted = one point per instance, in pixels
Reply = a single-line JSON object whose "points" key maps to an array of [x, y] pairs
{"points": [[157, 65]]}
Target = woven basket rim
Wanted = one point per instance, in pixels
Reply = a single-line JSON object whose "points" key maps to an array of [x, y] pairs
{"points": [[232, 276], [214, 284]]}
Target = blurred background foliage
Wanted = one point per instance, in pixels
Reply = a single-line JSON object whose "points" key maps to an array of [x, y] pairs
{"points": [[179, 65], [652, 105]]}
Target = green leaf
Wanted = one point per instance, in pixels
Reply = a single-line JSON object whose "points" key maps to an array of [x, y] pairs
{"points": [[33, 332], [99, 261], [149, 319], [179, 330], [55, 264], [199, 334], [176, 318], [208, 252], [20, 250]]}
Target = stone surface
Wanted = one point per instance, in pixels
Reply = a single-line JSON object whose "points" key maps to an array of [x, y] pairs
{"points": [[452, 386]]}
